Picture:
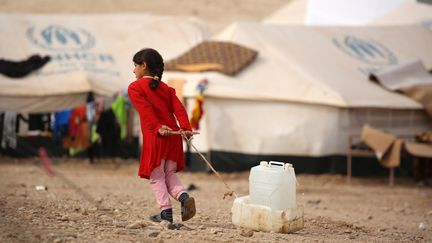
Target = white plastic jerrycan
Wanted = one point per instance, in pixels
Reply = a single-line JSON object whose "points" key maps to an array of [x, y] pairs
{"points": [[273, 184]]}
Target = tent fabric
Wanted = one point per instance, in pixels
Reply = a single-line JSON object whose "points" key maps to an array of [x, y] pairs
{"points": [[387, 147], [225, 57], [403, 75], [87, 52], [348, 12], [320, 65], [422, 94], [307, 90], [407, 13], [294, 12], [419, 149], [412, 79]]}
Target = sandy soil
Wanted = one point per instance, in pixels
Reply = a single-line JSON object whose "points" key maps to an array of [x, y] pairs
{"points": [[107, 202]]}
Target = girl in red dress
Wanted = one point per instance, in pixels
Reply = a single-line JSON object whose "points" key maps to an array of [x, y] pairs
{"points": [[162, 153]]}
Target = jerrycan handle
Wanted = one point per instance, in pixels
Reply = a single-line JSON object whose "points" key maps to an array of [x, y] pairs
{"points": [[282, 164]]}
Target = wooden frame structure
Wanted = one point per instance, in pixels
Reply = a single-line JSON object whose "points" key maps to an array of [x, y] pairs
{"points": [[365, 152]]}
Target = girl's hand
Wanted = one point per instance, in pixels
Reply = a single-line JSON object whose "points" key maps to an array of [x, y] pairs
{"points": [[188, 134], [164, 130]]}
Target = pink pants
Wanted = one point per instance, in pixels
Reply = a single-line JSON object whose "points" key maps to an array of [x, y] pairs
{"points": [[165, 182]]}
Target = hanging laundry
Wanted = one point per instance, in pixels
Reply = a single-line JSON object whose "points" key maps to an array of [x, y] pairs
{"points": [[91, 111], [79, 130], [109, 131], [61, 124], [39, 121], [9, 135], [19, 69], [120, 110], [198, 110]]}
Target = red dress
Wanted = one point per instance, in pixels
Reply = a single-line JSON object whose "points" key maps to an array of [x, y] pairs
{"points": [[157, 107]]}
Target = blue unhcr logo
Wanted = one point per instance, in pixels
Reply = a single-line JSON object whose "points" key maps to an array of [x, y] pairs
{"points": [[368, 51], [56, 37]]}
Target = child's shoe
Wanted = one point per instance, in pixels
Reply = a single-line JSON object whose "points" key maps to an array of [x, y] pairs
{"points": [[188, 209], [166, 214]]}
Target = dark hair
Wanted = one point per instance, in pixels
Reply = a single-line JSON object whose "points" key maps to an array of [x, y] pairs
{"points": [[154, 62]]}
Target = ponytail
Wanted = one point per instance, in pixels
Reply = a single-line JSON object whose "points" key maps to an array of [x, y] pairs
{"points": [[155, 82]]}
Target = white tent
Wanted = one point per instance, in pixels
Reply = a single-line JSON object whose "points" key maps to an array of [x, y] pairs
{"points": [[332, 12], [88, 53], [308, 89], [294, 12], [348, 12], [407, 13]]}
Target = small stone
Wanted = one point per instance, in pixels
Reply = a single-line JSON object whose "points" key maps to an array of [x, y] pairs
{"points": [[64, 218], [314, 201], [370, 217], [136, 225], [247, 233], [41, 188], [423, 226], [83, 211], [57, 240], [201, 227], [152, 233], [214, 231], [347, 231], [104, 217]]}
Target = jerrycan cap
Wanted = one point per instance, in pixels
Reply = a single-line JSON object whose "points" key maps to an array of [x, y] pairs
{"points": [[264, 163], [287, 166]]}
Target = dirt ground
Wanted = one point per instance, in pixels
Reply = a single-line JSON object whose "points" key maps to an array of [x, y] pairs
{"points": [[107, 202]]}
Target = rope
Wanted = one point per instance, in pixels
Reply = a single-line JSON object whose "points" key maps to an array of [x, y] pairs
{"points": [[189, 141]]}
